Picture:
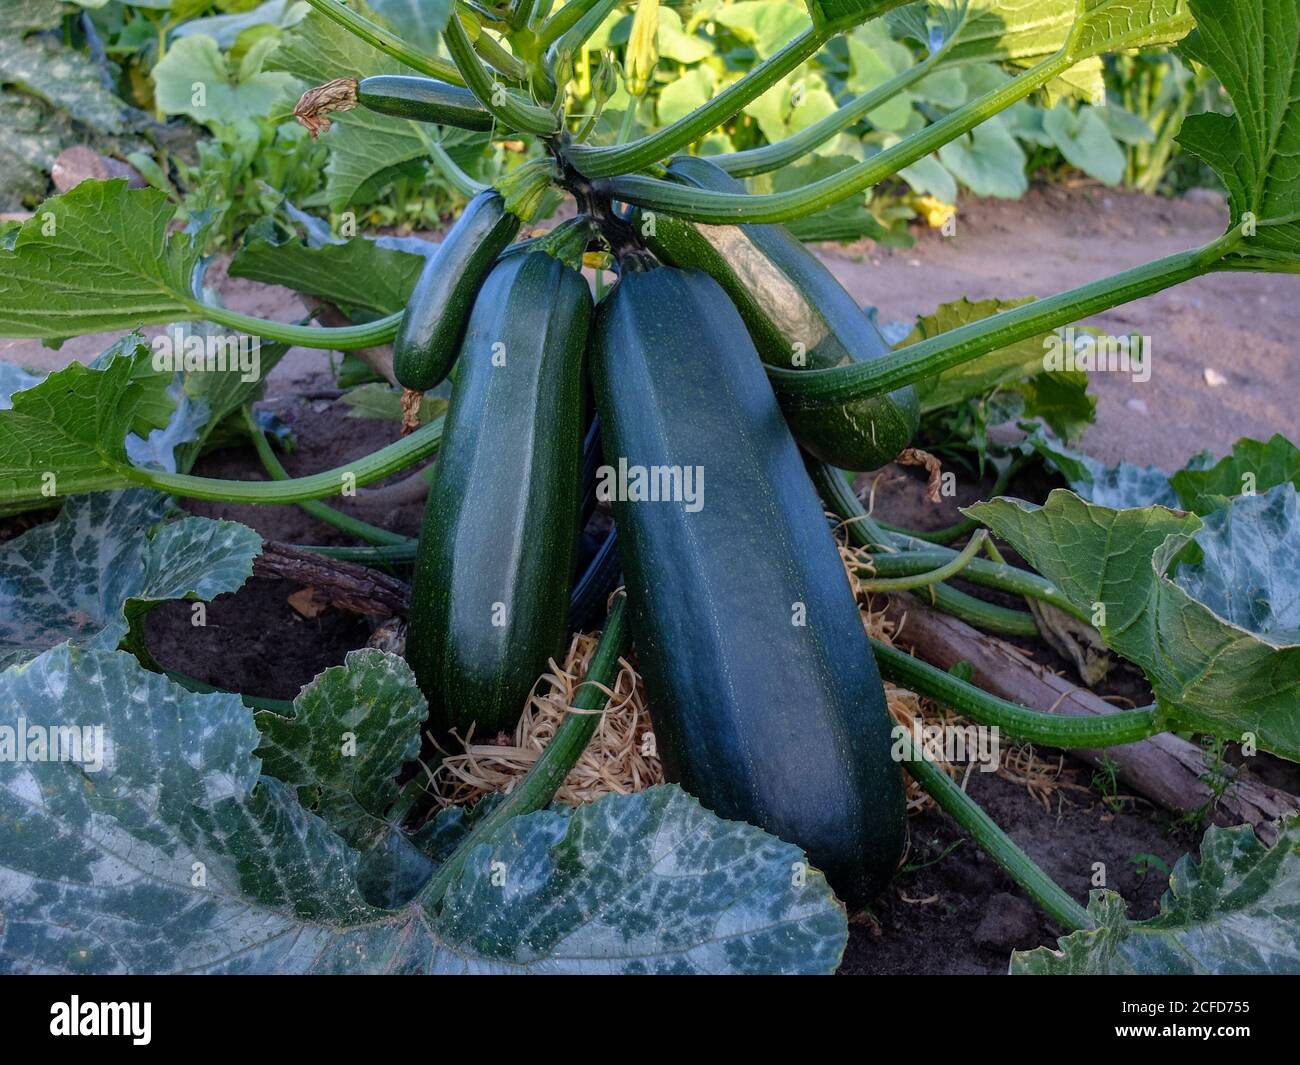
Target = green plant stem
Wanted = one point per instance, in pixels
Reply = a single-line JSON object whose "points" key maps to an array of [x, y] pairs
{"points": [[282, 707], [366, 470], [342, 338], [1020, 722], [833, 387], [784, 152], [362, 530], [540, 783], [387, 42], [495, 56], [998, 845], [448, 167], [702, 205], [872, 581], [620, 159], [508, 109], [382, 555], [566, 18]]}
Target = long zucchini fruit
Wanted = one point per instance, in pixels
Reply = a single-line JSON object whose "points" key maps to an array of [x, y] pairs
{"points": [[799, 317], [764, 694], [434, 321], [424, 100], [490, 594]]}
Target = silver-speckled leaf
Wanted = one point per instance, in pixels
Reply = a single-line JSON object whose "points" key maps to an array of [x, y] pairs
{"points": [[1236, 911], [1249, 572], [176, 856], [106, 560], [1121, 486], [353, 729]]}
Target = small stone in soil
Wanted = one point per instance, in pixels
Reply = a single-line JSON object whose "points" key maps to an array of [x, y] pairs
{"points": [[1008, 922]]}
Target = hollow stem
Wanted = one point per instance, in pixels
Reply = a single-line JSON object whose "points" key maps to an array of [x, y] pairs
{"points": [[342, 338], [508, 109], [872, 581], [543, 780]]}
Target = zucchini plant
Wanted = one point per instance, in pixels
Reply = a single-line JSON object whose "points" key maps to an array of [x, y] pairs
{"points": [[723, 370]]}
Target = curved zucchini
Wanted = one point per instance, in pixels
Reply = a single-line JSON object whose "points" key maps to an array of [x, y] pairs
{"points": [[429, 335], [424, 100], [764, 694], [492, 574], [798, 316]]}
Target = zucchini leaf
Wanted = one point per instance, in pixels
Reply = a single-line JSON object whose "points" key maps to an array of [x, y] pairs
{"points": [[352, 730], [1219, 640], [104, 562], [1233, 912], [365, 146], [1119, 487], [841, 14], [97, 258], [1253, 47], [184, 856], [1253, 466]]}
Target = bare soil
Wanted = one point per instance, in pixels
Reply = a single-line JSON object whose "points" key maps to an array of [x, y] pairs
{"points": [[951, 910]]}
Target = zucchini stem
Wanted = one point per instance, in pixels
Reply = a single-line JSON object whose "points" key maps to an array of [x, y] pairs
{"points": [[997, 844], [341, 338], [1020, 722], [510, 111], [543, 780], [386, 42], [353, 526], [873, 582]]}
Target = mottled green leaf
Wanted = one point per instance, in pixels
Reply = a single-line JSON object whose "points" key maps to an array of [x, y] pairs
{"points": [[352, 730], [1209, 673], [182, 858], [1252, 467], [1233, 912], [107, 559], [65, 78], [97, 258]]}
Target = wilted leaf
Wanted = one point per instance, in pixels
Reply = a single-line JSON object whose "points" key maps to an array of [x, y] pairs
{"points": [[104, 562], [1233, 912]]}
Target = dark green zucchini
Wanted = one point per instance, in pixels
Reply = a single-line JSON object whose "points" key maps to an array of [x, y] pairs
{"points": [[798, 315], [493, 570], [424, 100], [429, 335], [764, 719]]}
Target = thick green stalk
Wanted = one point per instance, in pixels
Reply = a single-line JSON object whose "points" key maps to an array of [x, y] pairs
{"points": [[873, 581], [833, 387], [373, 467], [508, 109], [353, 526], [371, 556], [622, 158], [342, 338], [568, 16], [1019, 722], [387, 42], [784, 152], [720, 208], [998, 845], [543, 780], [448, 167]]}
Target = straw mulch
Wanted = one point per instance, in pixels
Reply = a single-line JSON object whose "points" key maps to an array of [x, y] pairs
{"points": [[621, 755]]}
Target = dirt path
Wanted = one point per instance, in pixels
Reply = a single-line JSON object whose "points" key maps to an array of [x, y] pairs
{"points": [[1244, 326]]}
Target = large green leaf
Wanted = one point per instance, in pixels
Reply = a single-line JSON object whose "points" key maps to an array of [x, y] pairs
{"points": [[1118, 25], [352, 730], [1252, 467], [107, 559], [193, 79], [1253, 46], [97, 258], [1209, 672], [68, 433], [1086, 142], [1121, 486], [1233, 912], [182, 857], [988, 161]]}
